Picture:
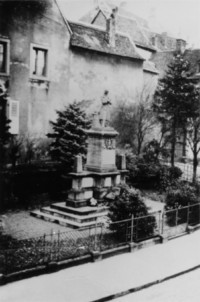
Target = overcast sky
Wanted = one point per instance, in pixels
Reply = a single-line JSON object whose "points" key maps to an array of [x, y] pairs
{"points": [[177, 17]]}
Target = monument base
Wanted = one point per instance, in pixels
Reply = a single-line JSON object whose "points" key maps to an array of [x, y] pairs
{"points": [[76, 218], [77, 211], [84, 205]]}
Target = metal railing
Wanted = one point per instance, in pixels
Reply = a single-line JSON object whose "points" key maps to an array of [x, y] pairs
{"points": [[16, 255]]}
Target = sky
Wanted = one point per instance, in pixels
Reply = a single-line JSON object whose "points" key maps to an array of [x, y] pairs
{"points": [[180, 18]]}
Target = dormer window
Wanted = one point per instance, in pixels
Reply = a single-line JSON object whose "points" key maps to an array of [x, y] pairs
{"points": [[153, 41]]}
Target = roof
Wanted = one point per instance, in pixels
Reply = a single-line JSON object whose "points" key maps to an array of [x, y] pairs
{"points": [[128, 23], [133, 28], [150, 67], [93, 38], [163, 42], [162, 60], [90, 16]]}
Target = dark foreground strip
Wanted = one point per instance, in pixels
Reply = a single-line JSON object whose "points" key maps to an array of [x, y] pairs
{"points": [[136, 289]]}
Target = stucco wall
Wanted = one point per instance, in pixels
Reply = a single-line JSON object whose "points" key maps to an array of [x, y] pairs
{"points": [[38, 100], [150, 81], [92, 73]]}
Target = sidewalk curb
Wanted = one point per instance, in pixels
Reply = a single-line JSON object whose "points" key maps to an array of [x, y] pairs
{"points": [[139, 288]]}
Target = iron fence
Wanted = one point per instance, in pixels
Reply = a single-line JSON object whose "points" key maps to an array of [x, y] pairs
{"points": [[16, 255], [187, 170]]}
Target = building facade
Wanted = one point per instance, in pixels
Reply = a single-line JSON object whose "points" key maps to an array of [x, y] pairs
{"points": [[47, 62], [34, 59]]}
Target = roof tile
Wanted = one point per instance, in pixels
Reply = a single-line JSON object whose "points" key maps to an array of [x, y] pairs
{"points": [[92, 38]]}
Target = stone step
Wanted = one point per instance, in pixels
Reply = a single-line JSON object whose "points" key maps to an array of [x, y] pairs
{"points": [[61, 206], [73, 217], [62, 221]]}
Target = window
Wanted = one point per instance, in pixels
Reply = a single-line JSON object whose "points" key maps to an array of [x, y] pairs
{"points": [[4, 58], [39, 58]]}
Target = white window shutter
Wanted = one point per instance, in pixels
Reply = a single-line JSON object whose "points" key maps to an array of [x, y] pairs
{"points": [[13, 115]]}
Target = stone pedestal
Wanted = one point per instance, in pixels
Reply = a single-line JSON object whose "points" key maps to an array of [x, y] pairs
{"points": [[101, 150], [88, 185], [100, 172]]}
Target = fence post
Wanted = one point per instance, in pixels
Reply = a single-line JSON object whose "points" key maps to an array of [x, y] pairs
{"points": [[199, 212], [58, 250], [95, 237], [50, 254], [163, 220], [44, 247], [100, 239], [136, 235], [188, 215], [132, 225], [159, 225], [6, 262], [176, 217], [126, 231]]}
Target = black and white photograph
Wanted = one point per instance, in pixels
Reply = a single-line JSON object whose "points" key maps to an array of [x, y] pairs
{"points": [[99, 150]]}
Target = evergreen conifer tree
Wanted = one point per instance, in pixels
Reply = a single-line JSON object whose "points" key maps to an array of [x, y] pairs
{"points": [[173, 101], [69, 135]]}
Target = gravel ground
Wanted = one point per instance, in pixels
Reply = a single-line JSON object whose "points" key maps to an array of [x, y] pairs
{"points": [[20, 225]]}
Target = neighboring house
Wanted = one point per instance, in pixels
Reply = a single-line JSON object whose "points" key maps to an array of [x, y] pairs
{"points": [[162, 41]]}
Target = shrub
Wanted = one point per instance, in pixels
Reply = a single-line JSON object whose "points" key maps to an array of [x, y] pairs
{"points": [[31, 185], [26, 149], [141, 173], [153, 150], [129, 202], [168, 177], [179, 197], [145, 173]]}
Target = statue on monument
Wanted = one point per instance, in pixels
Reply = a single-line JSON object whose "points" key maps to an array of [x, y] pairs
{"points": [[104, 114]]}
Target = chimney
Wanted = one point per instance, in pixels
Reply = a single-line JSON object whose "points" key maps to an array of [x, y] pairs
{"points": [[111, 27], [180, 46], [164, 38], [154, 41]]}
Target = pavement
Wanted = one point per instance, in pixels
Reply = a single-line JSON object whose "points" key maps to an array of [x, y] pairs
{"points": [[111, 277]]}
